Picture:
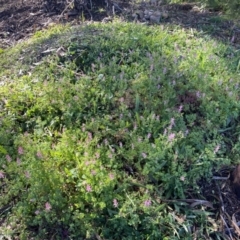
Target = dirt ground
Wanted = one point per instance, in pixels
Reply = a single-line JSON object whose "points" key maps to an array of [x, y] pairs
{"points": [[226, 206], [19, 19]]}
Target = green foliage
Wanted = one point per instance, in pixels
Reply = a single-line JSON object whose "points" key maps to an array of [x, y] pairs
{"points": [[97, 140], [231, 7]]}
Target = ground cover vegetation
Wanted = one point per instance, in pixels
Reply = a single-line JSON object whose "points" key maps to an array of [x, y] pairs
{"points": [[103, 135], [229, 7]]}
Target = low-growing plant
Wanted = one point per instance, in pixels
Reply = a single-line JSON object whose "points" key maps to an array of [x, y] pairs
{"points": [[102, 140], [230, 7]]}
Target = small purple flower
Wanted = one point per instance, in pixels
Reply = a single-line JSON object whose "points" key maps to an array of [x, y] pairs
{"points": [[39, 154], [165, 131], [149, 135], [115, 203], [198, 94], [48, 206], [2, 174], [83, 128], [182, 178], [120, 144], [88, 188], [9, 159], [157, 117], [144, 155], [26, 134], [139, 139], [105, 141], [89, 136], [147, 203], [20, 151], [18, 161], [111, 176], [172, 122], [97, 155], [171, 137], [180, 108], [37, 212], [216, 149], [87, 163]]}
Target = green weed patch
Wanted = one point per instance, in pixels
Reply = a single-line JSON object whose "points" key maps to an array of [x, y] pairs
{"points": [[102, 139]]}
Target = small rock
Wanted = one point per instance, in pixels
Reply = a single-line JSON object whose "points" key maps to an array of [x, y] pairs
{"points": [[165, 15], [154, 19], [147, 17], [134, 15], [146, 12], [157, 14], [140, 14]]}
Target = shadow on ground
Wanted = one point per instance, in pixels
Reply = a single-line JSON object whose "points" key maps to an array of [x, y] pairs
{"points": [[19, 20]]}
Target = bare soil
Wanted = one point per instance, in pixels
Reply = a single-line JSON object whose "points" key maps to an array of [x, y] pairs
{"points": [[220, 193], [19, 19]]}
